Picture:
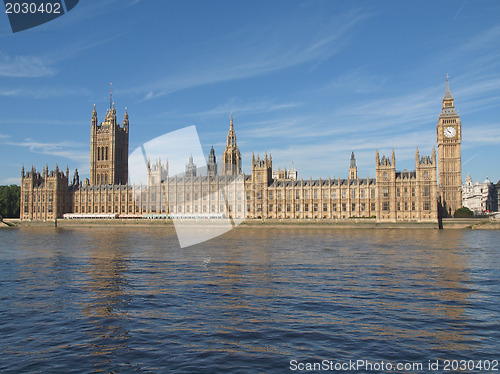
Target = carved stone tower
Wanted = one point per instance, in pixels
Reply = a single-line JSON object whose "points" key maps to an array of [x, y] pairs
{"points": [[353, 170], [157, 173], [262, 177], [109, 148], [190, 168], [449, 138], [212, 163], [231, 157], [385, 169]]}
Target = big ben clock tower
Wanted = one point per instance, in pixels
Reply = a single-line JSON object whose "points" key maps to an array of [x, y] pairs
{"points": [[449, 138]]}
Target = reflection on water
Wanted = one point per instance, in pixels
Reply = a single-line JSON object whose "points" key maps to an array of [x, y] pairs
{"points": [[129, 299]]}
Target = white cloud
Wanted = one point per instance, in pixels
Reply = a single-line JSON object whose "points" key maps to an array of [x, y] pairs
{"points": [[43, 92], [257, 106], [66, 149], [11, 180], [25, 66], [273, 48], [481, 135]]}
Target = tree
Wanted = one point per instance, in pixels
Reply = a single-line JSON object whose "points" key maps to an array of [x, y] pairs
{"points": [[9, 201], [463, 212]]}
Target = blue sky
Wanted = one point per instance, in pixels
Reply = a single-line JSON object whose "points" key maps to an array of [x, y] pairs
{"points": [[307, 81]]}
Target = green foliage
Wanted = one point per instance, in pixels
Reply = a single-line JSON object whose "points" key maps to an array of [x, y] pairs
{"points": [[9, 201], [463, 212]]}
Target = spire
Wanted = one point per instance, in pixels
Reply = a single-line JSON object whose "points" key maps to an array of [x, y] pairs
{"points": [[353, 170], [211, 156], [231, 136], [110, 95], [353, 161], [94, 117], [447, 94], [231, 157], [125, 118]]}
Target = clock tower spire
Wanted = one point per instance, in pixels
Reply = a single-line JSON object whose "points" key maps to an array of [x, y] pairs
{"points": [[449, 138]]}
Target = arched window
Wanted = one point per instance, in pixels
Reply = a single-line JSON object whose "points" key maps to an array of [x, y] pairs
{"points": [[98, 153], [106, 178], [106, 153], [98, 178]]}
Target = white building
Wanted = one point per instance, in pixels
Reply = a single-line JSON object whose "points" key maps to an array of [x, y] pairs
{"points": [[478, 197]]}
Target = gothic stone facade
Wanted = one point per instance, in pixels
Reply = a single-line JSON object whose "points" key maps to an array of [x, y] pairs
{"points": [[391, 196]]}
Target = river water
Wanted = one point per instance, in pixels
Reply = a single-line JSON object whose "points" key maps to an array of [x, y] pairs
{"points": [[255, 300]]}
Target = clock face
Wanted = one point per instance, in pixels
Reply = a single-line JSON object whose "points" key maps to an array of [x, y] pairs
{"points": [[450, 132]]}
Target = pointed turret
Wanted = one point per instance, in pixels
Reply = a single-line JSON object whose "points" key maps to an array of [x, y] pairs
{"points": [[211, 156], [94, 117], [447, 94], [231, 136], [231, 157], [212, 163], [125, 117], [110, 95], [76, 178], [125, 120], [190, 168], [353, 170], [448, 103], [417, 156]]}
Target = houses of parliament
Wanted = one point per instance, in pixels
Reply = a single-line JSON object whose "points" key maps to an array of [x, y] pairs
{"points": [[391, 196]]}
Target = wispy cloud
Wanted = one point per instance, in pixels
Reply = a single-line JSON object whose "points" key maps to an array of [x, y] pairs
{"points": [[69, 150], [255, 107], [485, 39], [25, 66], [43, 92], [279, 47], [11, 180], [481, 135], [356, 81]]}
